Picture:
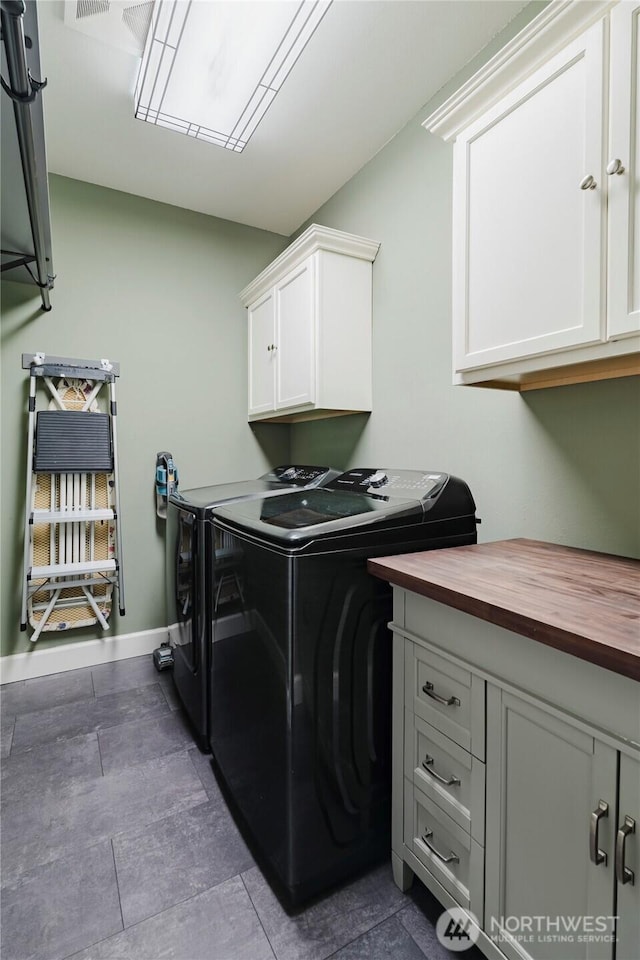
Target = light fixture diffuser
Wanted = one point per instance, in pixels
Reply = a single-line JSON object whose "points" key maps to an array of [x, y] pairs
{"points": [[211, 68]]}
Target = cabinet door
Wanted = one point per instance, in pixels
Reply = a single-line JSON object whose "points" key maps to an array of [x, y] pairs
{"points": [[527, 257], [262, 355], [296, 337], [545, 777], [628, 892], [624, 178]]}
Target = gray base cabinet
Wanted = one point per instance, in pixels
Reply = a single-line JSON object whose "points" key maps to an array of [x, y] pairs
{"points": [[510, 801], [546, 778]]}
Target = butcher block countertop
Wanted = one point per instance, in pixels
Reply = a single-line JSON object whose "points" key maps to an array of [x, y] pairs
{"points": [[584, 603]]}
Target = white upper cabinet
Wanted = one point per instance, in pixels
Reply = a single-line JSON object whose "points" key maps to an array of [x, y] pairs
{"points": [[295, 337], [528, 239], [310, 329], [546, 267], [623, 173], [261, 368]]}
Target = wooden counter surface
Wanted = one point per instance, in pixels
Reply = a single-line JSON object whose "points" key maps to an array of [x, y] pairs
{"points": [[585, 603]]}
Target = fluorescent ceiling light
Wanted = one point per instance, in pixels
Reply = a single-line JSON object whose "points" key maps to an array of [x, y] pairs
{"points": [[211, 68]]}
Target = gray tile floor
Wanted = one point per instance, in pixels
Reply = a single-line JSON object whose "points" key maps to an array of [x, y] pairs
{"points": [[117, 843]]}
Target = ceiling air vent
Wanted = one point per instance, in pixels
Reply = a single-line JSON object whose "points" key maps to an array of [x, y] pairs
{"points": [[137, 19], [119, 23], [87, 8]]}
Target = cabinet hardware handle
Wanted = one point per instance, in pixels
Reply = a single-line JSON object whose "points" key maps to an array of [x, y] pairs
{"points": [[441, 856], [271, 346], [427, 763], [624, 874], [615, 166], [447, 701], [588, 183], [597, 856]]}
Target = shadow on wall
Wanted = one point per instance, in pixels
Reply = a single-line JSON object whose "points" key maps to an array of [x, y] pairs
{"points": [[21, 307], [272, 438], [334, 441], [595, 452]]}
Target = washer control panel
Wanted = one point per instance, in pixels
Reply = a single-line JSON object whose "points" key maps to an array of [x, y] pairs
{"points": [[404, 484], [295, 475]]}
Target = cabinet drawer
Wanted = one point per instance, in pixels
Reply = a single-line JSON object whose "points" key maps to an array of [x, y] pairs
{"points": [[447, 851], [448, 775], [447, 696]]}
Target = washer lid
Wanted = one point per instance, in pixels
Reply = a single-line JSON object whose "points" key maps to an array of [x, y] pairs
{"points": [[278, 480], [305, 515]]}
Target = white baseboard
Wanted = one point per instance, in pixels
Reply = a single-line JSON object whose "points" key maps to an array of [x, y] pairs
{"points": [[84, 653]]}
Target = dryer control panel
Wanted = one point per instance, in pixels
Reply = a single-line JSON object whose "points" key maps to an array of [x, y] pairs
{"points": [[295, 475], [390, 483]]}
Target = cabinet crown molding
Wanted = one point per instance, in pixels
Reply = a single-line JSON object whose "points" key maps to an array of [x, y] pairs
{"points": [[559, 23], [314, 238]]}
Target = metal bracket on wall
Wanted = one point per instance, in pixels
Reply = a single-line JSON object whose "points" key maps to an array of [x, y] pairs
{"points": [[23, 91]]}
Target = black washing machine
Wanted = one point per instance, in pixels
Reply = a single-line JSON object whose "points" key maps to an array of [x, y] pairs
{"points": [[191, 595], [300, 724]]}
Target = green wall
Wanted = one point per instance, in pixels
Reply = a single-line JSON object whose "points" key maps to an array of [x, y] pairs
{"points": [[561, 465], [156, 288]]}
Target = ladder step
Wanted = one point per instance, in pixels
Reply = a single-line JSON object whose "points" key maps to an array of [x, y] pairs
{"points": [[72, 569], [72, 441], [61, 584], [70, 516]]}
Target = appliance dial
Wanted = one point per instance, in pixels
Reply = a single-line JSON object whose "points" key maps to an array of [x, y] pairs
{"points": [[378, 479]]}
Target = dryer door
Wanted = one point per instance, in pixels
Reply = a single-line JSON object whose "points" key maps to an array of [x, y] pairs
{"points": [[182, 584]]}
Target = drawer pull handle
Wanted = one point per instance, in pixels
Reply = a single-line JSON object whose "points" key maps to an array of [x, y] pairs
{"points": [[624, 874], [447, 701], [427, 763], [588, 183], [441, 856], [595, 854]]}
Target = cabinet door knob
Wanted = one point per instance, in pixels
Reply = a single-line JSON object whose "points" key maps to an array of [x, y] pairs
{"points": [[595, 854], [588, 183], [624, 874], [615, 166]]}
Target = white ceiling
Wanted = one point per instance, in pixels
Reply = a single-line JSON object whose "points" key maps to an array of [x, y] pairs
{"points": [[371, 65]]}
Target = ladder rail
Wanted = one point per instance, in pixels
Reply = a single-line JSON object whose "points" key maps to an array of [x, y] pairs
{"points": [[28, 526], [113, 409], [45, 616]]}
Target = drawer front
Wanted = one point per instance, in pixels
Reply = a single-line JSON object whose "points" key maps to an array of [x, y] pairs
{"points": [[448, 775], [447, 696], [447, 851]]}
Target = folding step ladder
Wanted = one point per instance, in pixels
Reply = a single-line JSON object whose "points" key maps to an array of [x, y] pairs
{"points": [[72, 538]]}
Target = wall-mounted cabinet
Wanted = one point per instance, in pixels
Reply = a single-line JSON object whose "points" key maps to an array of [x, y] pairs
{"points": [[546, 268], [309, 316]]}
